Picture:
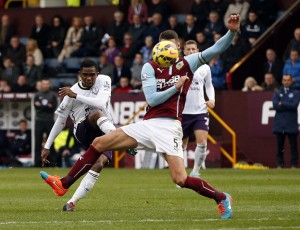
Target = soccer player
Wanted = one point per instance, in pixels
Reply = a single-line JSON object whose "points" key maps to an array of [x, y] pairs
{"points": [[165, 90], [195, 116], [86, 103]]}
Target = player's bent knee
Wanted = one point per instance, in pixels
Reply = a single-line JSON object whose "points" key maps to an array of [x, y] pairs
{"points": [[179, 180]]}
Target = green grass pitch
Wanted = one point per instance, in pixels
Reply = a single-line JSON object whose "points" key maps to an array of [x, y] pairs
{"points": [[147, 199]]}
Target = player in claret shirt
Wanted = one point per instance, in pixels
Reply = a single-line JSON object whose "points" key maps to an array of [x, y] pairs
{"points": [[165, 90]]}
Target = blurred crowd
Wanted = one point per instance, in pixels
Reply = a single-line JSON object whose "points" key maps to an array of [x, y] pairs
{"points": [[54, 49]]}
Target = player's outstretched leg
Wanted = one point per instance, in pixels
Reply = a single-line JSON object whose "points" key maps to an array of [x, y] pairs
{"points": [[55, 183], [223, 199]]}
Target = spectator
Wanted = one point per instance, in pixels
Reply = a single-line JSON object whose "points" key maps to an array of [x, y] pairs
{"points": [[45, 104], [190, 28], [120, 70], [213, 26], [123, 85], [90, 39], [218, 5], [252, 29], [273, 65], [237, 49], [293, 44], [21, 86], [6, 31], [251, 85], [136, 70], [118, 27], [21, 143], [129, 49], [217, 36], [72, 40], [111, 51], [270, 84], [41, 33], [173, 24], [31, 71], [203, 43], [200, 10], [156, 27], [105, 67], [11, 72], [57, 37], [146, 50], [218, 73], [292, 67], [4, 86], [266, 10], [137, 7], [138, 30], [33, 49], [158, 6], [285, 103], [240, 7], [15, 51]]}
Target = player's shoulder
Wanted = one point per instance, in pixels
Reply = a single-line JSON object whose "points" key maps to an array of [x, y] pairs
{"points": [[203, 71], [103, 78]]}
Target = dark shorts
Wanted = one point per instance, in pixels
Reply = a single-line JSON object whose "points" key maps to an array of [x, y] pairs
{"points": [[85, 134], [192, 122]]}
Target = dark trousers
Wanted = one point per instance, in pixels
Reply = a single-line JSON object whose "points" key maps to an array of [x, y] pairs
{"points": [[42, 127], [293, 147]]}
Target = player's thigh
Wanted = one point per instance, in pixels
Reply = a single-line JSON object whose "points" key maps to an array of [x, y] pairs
{"points": [[115, 140], [176, 168], [201, 136]]}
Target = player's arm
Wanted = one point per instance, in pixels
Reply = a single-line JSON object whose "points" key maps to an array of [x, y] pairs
{"points": [[197, 59], [209, 88], [62, 111], [153, 97]]}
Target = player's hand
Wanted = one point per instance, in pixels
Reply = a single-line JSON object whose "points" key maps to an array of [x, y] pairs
{"points": [[44, 156], [234, 22], [210, 103], [181, 81], [66, 91]]}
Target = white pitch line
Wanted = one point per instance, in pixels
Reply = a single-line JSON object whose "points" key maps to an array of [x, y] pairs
{"points": [[148, 220]]}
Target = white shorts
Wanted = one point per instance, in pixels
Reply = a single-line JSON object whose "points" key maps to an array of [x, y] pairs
{"points": [[163, 135]]}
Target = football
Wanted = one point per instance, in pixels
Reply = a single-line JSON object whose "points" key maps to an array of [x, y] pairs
{"points": [[165, 53]]}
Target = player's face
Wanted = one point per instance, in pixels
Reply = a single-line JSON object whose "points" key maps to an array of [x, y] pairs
{"points": [[88, 76], [190, 49]]}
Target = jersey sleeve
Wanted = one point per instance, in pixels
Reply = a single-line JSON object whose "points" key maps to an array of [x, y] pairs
{"points": [[64, 108], [153, 97], [209, 88]]}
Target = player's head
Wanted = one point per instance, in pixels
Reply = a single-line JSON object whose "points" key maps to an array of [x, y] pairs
{"points": [[169, 35], [88, 73], [190, 47]]}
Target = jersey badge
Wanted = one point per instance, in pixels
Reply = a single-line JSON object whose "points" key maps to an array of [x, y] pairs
{"points": [[106, 86], [179, 65], [95, 90]]}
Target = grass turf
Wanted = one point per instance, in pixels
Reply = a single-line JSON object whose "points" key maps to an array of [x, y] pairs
{"points": [[147, 199]]}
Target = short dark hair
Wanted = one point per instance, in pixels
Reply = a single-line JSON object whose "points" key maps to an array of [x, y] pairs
{"points": [[168, 35], [88, 63], [191, 42]]}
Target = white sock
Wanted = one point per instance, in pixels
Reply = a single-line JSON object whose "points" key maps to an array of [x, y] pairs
{"points": [[105, 125], [85, 186], [200, 155]]}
